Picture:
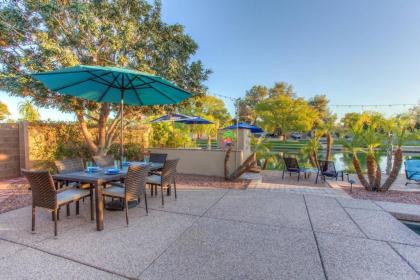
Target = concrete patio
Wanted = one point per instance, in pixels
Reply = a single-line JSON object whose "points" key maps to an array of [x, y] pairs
{"points": [[216, 234]]}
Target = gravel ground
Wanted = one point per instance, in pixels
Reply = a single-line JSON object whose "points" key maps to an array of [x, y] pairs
{"points": [[391, 196], [14, 194]]}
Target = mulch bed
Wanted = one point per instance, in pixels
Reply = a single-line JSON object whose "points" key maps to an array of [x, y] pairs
{"points": [[391, 196], [15, 201]]}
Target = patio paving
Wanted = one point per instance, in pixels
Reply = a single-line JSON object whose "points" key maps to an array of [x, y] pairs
{"points": [[216, 234]]}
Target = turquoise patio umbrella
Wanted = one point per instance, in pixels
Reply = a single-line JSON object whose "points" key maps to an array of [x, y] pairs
{"points": [[113, 85]]}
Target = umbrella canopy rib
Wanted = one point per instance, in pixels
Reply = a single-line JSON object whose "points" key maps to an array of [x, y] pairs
{"points": [[169, 85], [161, 92], [108, 88], [105, 82], [78, 82], [135, 90], [142, 85]]}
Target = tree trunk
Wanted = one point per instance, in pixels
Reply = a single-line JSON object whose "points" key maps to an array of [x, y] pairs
{"points": [[315, 155], [246, 165], [371, 170], [359, 172], [389, 154], [93, 149], [106, 135], [330, 141], [378, 178], [265, 164], [312, 159], [396, 167], [227, 156]]}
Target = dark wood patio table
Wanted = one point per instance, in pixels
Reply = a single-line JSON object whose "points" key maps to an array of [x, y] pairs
{"points": [[98, 180]]}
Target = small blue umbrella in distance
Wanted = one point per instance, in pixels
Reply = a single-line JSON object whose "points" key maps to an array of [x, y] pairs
{"points": [[242, 125]]}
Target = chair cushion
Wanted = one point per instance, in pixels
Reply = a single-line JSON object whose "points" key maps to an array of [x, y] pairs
{"points": [[329, 174], [117, 191], [415, 177], [154, 179], [71, 194], [412, 168], [293, 169]]}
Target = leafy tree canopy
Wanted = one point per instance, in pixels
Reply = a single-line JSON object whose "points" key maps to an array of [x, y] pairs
{"points": [[350, 119], [282, 88], [326, 117], [209, 107], [286, 114], [37, 36], [247, 104]]}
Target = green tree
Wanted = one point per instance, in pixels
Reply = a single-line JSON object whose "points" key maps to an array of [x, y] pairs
{"points": [[262, 147], [28, 112], [284, 113], [210, 108], [4, 111], [326, 121], [282, 88], [414, 113], [350, 119], [247, 104], [312, 146], [38, 36]]}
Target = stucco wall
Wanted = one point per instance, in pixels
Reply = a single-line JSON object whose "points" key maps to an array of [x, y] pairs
{"points": [[202, 162]]}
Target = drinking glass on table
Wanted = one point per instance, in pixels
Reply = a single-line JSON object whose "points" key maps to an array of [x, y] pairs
{"points": [[146, 158]]}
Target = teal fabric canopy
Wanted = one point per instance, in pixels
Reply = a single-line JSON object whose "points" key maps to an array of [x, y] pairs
{"points": [[112, 85]]}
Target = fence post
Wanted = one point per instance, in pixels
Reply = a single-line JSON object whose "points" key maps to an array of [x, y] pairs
{"points": [[23, 145]]}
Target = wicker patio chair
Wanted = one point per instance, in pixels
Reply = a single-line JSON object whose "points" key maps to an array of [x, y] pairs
{"points": [[103, 161], [158, 158], [166, 179], [46, 196], [69, 166], [291, 165], [132, 188], [327, 169]]}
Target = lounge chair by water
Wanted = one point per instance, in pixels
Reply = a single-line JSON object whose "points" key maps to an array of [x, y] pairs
{"points": [[412, 170]]}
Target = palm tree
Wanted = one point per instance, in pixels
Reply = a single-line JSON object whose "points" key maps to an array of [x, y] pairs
{"points": [[400, 134], [28, 112], [368, 137], [312, 146], [263, 150]]}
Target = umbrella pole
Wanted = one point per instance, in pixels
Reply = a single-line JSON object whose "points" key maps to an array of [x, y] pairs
{"points": [[122, 129]]}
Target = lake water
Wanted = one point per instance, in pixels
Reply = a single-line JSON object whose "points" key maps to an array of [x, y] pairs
{"points": [[343, 161]]}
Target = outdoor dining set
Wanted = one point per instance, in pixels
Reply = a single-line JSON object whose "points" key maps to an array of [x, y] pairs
{"points": [[123, 182]]}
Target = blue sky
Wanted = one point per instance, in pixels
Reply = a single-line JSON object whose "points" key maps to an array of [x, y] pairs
{"points": [[355, 52]]}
